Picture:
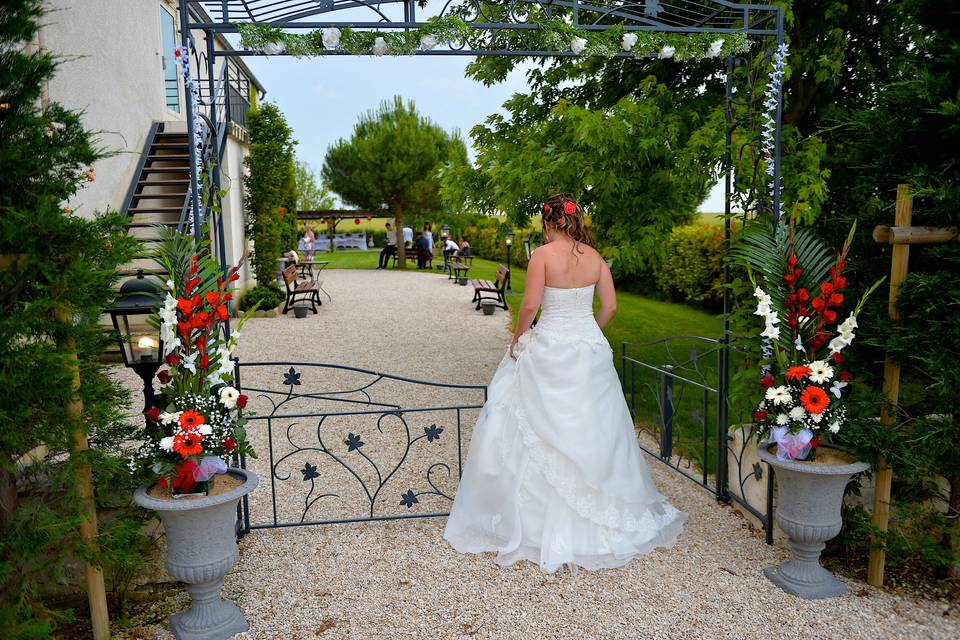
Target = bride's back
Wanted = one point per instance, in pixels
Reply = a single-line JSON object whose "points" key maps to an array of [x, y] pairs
{"points": [[570, 266]]}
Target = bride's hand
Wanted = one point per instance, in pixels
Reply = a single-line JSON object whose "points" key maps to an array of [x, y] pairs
{"points": [[513, 344]]}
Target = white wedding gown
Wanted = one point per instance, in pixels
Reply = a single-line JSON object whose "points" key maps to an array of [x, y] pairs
{"points": [[554, 473]]}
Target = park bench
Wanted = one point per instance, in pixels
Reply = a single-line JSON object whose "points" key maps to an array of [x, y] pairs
{"points": [[300, 289], [411, 254], [486, 290]]}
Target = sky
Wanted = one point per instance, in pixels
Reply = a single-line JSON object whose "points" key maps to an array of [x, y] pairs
{"points": [[323, 96]]}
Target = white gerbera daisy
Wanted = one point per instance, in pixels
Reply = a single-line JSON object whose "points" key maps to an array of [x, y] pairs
{"points": [[228, 397], [820, 371], [780, 395], [167, 443]]}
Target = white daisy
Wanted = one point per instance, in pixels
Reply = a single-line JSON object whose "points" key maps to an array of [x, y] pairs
{"points": [[169, 418], [816, 417], [205, 429], [820, 371], [797, 413], [783, 419], [779, 395], [228, 397], [167, 443]]}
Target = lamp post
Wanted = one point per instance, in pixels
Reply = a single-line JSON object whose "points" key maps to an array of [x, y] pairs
{"points": [[140, 343], [444, 231], [509, 242], [526, 246]]}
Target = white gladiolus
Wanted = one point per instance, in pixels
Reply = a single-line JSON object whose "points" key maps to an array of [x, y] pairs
{"points": [[834, 427], [428, 42], [189, 362], [667, 52], [578, 45], [380, 47], [330, 37], [628, 41], [715, 47], [837, 387], [167, 443], [170, 303]]}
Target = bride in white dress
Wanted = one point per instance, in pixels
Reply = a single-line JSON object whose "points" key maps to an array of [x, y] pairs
{"points": [[554, 473]]}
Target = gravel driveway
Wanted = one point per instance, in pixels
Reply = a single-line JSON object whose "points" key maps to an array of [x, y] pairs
{"points": [[399, 579]]}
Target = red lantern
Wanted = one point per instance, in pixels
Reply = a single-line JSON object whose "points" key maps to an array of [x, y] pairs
{"points": [[356, 221], [369, 217]]}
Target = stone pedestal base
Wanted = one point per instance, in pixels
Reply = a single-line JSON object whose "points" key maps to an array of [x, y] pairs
{"points": [[803, 576]]}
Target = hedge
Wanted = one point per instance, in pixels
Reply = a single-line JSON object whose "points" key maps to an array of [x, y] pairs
{"points": [[693, 268]]}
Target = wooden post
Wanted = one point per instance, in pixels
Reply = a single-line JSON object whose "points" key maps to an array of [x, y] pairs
{"points": [[83, 478]]}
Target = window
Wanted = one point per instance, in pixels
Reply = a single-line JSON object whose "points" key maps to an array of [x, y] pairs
{"points": [[171, 84]]}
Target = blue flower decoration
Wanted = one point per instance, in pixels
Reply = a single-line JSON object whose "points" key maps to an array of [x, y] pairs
{"points": [[432, 432], [291, 378], [309, 472], [353, 442], [408, 499]]}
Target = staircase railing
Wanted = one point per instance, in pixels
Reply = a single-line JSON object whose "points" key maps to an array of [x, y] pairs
{"points": [[141, 163]]}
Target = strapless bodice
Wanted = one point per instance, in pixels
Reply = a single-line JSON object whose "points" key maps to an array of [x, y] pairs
{"points": [[568, 311]]}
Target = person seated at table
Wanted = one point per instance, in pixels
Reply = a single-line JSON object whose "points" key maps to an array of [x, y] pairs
{"points": [[450, 249], [407, 237], [421, 247], [390, 249]]}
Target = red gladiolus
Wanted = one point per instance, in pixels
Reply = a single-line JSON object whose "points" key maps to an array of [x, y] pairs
{"points": [[767, 381], [826, 288], [222, 312], [193, 265], [242, 400], [760, 415], [229, 444], [830, 316], [212, 297], [163, 376], [187, 305], [791, 299], [836, 299], [173, 359], [234, 277], [204, 362], [837, 357], [798, 373], [839, 282], [184, 328], [844, 376], [153, 414], [792, 261], [201, 343], [818, 304], [191, 285], [789, 279], [803, 295]]}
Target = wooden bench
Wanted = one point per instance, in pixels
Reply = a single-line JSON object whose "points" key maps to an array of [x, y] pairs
{"points": [[411, 253], [299, 290], [498, 289]]}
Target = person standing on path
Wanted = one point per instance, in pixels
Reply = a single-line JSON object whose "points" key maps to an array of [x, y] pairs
{"points": [[390, 249]]}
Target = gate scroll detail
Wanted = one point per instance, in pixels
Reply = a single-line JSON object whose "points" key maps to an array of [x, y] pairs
{"points": [[340, 444]]}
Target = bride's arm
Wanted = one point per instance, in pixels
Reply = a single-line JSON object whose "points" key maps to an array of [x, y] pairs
{"points": [[532, 295], [607, 295]]}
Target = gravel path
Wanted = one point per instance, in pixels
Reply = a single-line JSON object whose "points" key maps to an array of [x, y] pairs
{"points": [[399, 579]]}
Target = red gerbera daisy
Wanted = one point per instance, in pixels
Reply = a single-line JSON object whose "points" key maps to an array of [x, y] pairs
{"points": [[798, 373], [188, 443], [190, 420], [815, 399]]}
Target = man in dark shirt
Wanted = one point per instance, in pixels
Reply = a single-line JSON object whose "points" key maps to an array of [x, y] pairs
{"points": [[422, 247]]}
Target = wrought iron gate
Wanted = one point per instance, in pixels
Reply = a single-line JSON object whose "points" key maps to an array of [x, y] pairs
{"points": [[339, 444], [677, 390]]}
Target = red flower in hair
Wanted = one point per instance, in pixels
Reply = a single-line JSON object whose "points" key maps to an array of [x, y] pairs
{"points": [[546, 208], [569, 208]]}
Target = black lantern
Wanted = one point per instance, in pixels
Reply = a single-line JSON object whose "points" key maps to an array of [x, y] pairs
{"points": [[508, 240], [444, 231], [140, 343], [526, 246]]}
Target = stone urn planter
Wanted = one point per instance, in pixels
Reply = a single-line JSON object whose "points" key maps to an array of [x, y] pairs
{"points": [[810, 496], [463, 281], [201, 549], [488, 308], [300, 311]]}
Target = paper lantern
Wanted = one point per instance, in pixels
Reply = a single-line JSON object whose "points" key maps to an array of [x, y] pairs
{"points": [[356, 221]]}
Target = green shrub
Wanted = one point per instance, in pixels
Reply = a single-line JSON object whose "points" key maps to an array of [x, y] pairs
{"points": [[264, 296], [488, 241], [693, 268]]}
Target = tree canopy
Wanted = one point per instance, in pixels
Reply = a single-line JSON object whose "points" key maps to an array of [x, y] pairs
{"points": [[393, 159], [312, 193]]}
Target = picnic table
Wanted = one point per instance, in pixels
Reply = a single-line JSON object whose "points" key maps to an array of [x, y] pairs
{"points": [[457, 270], [309, 269]]}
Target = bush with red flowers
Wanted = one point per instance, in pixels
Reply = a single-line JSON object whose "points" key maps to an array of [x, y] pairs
{"points": [[197, 415]]}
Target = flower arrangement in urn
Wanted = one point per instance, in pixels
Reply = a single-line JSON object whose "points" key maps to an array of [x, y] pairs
{"points": [[196, 425], [800, 297]]}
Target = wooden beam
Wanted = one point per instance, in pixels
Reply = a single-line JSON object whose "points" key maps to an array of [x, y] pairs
{"points": [[891, 389], [915, 235]]}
